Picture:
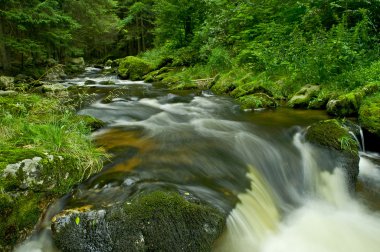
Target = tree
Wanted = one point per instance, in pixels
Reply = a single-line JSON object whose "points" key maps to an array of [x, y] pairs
{"points": [[177, 20], [136, 25], [98, 26], [33, 31]]}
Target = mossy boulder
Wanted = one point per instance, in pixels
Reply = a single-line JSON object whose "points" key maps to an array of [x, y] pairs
{"points": [[151, 221], [349, 104], [19, 212], [304, 96], [133, 68], [369, 114], [75, 65], [255, 101], [6, 83], [334, 136]]}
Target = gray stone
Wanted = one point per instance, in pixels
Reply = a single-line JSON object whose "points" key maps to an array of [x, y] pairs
{"points": [[8, 93], [28, 170], [52, 88]]}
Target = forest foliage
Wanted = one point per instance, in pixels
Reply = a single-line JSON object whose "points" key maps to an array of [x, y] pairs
{"points": [[287, 41]]}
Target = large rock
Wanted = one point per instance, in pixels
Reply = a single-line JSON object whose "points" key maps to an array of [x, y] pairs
{"points": [[349, 104], [154, 221], [133, 68], [369, 114], [304, 96], [334, 136], [75, 65], [6, 83]]}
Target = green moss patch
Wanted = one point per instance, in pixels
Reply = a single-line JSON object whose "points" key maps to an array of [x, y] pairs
{"points": [[259, 100], [17, 215], [369, 114], [332, 134], [349, 104], [44, 151], [133, 68], [152, 221]]}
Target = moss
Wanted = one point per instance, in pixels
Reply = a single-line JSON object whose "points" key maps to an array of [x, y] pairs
{"points": [[343, 148], [17, 215], [250, 88], [91, 122], [171, 79], [349, 104], [304, 96], [12, 155], [151, 77], [369, 114], [185, 86], [259, 100], [152, 221], [133, 68], [332, 134], [224, 85], [30, 126]]}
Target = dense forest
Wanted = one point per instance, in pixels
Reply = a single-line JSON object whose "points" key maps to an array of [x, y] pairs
{"points": [[294, 41], [314, 54]]}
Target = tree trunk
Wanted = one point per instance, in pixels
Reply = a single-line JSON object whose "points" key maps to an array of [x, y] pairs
{"points": [[188, 29], [142, 34], [138, 38], [3, 53]]}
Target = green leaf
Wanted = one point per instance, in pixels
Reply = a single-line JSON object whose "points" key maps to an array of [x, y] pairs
{"points": [[77, 220]]}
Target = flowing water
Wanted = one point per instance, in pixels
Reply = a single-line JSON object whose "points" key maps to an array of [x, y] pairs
{"points": [[281, 193]]}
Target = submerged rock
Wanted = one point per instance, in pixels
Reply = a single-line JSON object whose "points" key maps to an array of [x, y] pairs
{"points": [[304, 96], [334, 136], [153, 221]]}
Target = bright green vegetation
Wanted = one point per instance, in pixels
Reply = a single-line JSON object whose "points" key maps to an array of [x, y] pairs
{"points": [[133, 68], [369, 114], [349, 104], [35, 126]]}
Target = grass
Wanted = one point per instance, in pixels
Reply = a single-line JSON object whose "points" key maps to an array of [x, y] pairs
{"points": [[36, 126]]}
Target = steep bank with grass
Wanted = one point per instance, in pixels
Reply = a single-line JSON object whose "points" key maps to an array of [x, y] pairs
{"points": [[45, 150]]}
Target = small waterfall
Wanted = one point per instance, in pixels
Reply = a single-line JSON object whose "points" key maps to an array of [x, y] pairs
{"points": [[253, 219], [362, 138], [327, 220]]}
